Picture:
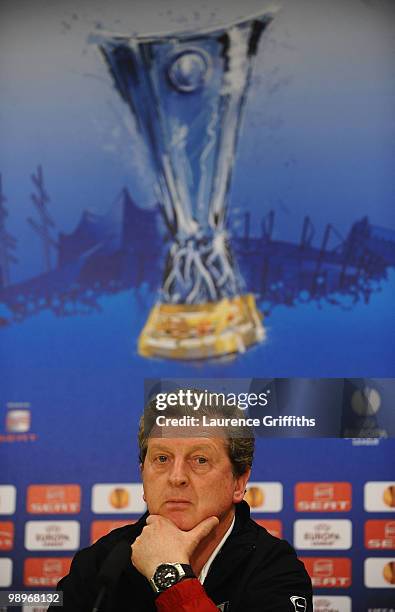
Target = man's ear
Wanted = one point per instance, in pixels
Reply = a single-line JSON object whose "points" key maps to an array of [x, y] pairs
{"points": [[141, 473], [240, 486]]}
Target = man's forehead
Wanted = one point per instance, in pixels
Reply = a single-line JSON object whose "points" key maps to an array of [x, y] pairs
{"points": [[184, 443], [187, 433]]}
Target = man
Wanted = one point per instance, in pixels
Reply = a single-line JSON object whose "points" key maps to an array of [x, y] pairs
{"points": [[196, 550]]}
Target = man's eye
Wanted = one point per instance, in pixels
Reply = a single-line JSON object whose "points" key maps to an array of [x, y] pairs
{"points": [[161, 458], [201, 460]]}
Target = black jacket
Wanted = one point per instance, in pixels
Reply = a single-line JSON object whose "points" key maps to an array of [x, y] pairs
{"points": [[254, 572]]}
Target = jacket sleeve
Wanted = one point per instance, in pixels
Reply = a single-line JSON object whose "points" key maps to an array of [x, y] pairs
{"points": [[281, 584], [186, 596]]}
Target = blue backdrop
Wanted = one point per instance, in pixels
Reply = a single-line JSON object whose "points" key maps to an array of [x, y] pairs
{"points": [[313, 171]]}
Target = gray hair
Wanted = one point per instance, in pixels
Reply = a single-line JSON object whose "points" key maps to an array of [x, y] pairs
{"points": [[240, 441]]}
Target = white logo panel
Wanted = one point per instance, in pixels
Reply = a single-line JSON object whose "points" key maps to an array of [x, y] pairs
{"points": [[7, 499], [118, 498], [332, 604], [52, 535], [379, 496], [5, 572], [322, 534], [379, 572], [264, 496]]}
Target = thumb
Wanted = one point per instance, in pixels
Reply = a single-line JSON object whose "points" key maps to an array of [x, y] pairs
{"points": [[202, 529]]}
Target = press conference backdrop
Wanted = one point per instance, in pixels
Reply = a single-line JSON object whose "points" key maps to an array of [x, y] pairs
{"points": [[87, 245], [333, 499]]}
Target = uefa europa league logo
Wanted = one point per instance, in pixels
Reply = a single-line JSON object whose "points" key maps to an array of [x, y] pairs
{"points": [[187, 92]]}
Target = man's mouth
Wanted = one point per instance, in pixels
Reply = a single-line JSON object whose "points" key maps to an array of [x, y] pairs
{"points": [[177, 502]]}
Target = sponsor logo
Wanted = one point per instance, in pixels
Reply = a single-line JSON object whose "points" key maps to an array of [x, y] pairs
{"points": [[323, 497], [52, 535], [45, 572], [17, 423], [322, 535], [264, 496], [254, 496], [379, 572], [18, 420], [53, 499], [366, 402], [380, 534], [328, 572], [5, 572], [389, 572], [379, 497], [102, 528], [332, 604], [299, 603], [389, 496], [7, 499], [273, 526], [6, 535], [362, 418], [117, 499]]}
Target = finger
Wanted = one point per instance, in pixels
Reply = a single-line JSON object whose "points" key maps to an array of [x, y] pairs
{"points": [[203, 529]]}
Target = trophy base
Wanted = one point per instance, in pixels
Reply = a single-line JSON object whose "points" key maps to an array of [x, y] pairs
{"points": [[201, 331]]}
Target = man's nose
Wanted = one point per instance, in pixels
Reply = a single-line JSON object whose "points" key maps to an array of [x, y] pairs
{"points": [[178, 474]]}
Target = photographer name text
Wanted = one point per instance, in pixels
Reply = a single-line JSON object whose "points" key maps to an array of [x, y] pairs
{"points": [[205, 421]]}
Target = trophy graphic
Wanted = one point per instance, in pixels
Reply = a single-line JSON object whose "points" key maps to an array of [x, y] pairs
{"points": [[187, 92]]}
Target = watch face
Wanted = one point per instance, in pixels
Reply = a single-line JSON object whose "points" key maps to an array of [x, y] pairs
{"points": [[165, 576]]}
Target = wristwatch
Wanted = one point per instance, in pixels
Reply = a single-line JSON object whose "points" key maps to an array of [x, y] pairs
{"points": [[168, 574]]}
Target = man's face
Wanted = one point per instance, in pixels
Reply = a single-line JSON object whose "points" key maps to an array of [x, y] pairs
{"points": [[189, 479]]}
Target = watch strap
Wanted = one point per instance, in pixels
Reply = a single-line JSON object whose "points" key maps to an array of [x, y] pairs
{"points": [[188, 571]]}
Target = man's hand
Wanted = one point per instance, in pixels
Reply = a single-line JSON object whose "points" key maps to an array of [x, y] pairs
{"points": [[162, 542]]}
